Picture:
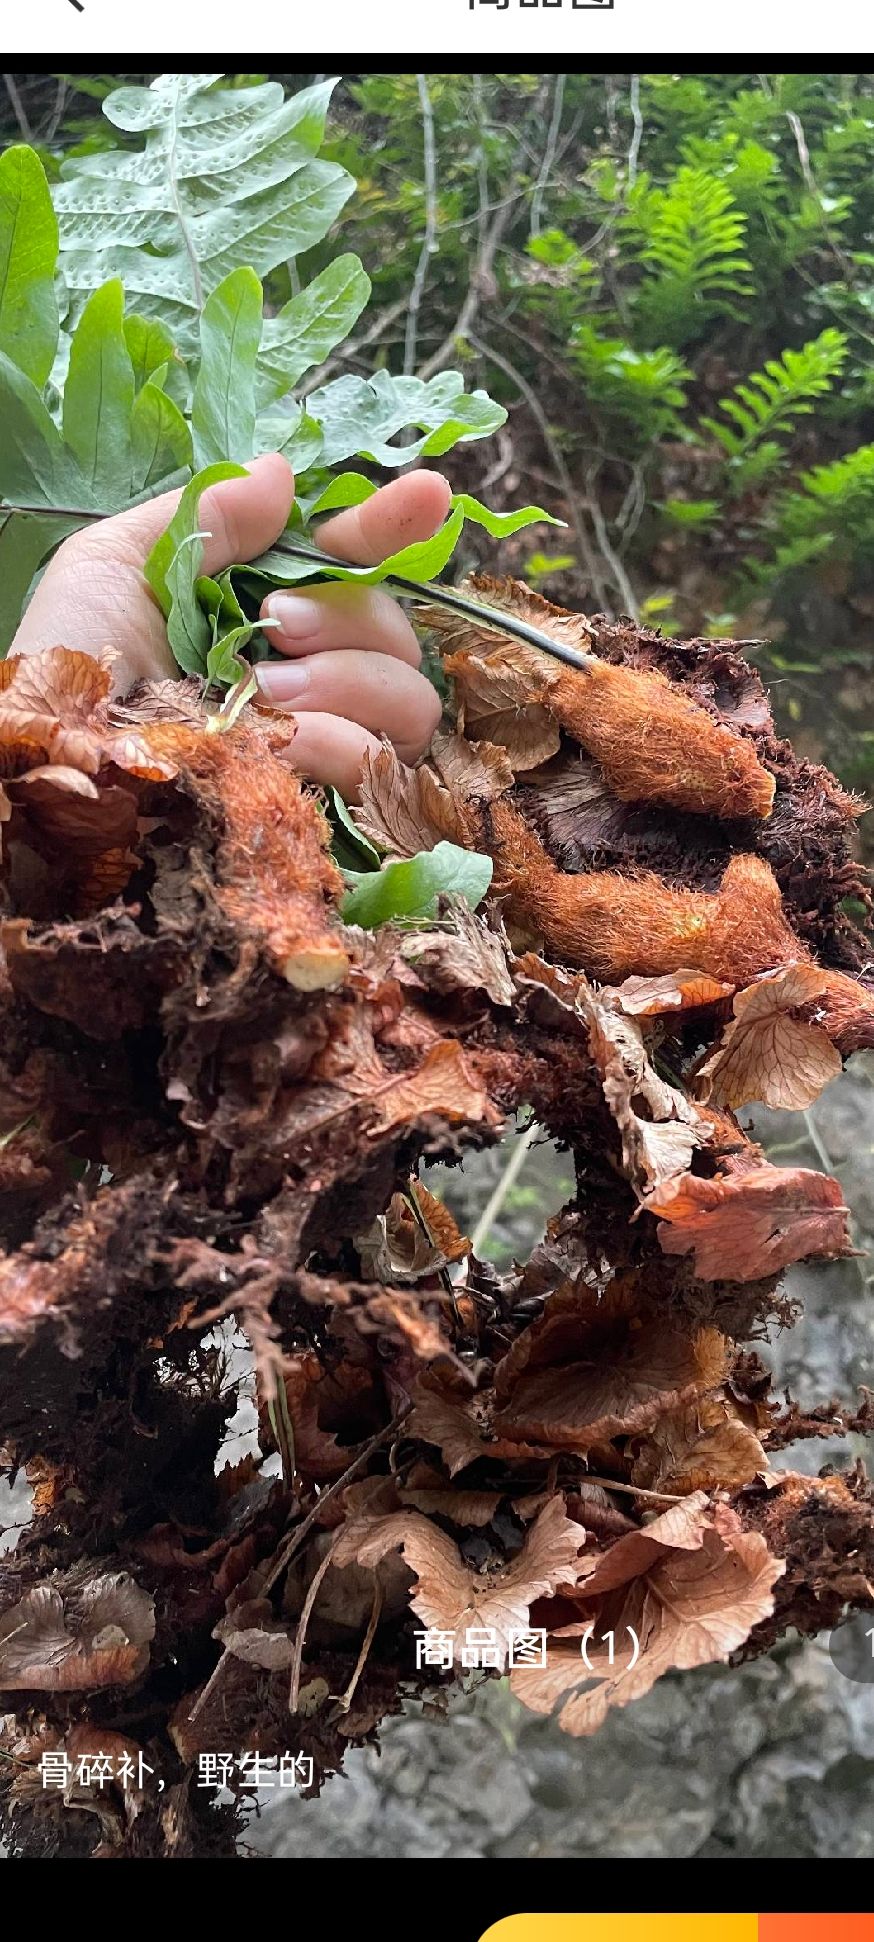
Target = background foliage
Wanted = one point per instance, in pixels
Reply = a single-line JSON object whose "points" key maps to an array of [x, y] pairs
{"points": [[669, 282]]}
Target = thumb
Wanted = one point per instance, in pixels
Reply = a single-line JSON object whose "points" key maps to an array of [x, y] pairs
{"points": [[242, 517]]}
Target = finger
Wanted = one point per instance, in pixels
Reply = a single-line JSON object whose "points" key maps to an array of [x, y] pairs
{"points": [[409, 509], [340, 616], [330, 750], [373, 690]]}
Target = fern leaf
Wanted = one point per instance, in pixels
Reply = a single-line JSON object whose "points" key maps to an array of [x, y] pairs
{"points": [[691, 239], [770, 401], [224, 176]]}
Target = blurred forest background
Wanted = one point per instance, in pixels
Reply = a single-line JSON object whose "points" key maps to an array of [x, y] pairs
{"points": [[669, 282]]}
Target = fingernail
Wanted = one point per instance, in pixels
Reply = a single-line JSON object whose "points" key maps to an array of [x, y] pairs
{"points": [[298, 617], [283, 680]]}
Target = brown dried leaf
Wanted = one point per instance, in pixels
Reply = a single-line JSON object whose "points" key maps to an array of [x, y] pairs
{"points": [[450, 1596], [468, 957], [479, 771], [449, 1426], [427, 1489], [659, 1127], [443, 1087], [251, 1633], [499, 699], [397, 1315], [588, 1369], [48, 703], [348, 1081], [702, 1446], [550, 993], [179, 700], [395, 1247], [76, 1636], [691, 1588], [676, 991], [317, 1452], [442, 1225], [768, 1055], [682, 1528], [594, 1507], [745, 1225], [409, 1242], [473, 1509], [404, 810], [55, 702]]}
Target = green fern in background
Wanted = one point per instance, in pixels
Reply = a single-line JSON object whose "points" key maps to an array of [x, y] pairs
{"points": [[690, 238], [834, 509], [771, 401]]}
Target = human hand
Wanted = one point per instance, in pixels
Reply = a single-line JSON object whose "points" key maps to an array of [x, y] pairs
{"points": [[350, 671]]}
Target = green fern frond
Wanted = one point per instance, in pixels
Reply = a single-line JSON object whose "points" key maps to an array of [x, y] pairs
{"points": [[749, 170], [836, 500], [116, 407], [644, 388], [691, 238], [770, 401]]}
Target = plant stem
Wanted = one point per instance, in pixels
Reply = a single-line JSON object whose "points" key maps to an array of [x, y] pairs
{"points": [[296, 1537], [422, 590], [587, 551]]}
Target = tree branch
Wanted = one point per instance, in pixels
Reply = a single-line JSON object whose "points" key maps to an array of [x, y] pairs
{"points": [[17, 107], [548, 154], [637, 137], [429, 240], [481, 284], [626, 591]]}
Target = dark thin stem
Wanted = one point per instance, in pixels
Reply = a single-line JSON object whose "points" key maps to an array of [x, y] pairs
{"points": [[421, 590], [548, 154], [303, 1621], [457, 603], [56, 116], [495, 617], [587, 551], [53, 512]]}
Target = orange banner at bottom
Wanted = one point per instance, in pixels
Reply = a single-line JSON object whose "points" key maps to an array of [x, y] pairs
{"points": [[682, 1928]]}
